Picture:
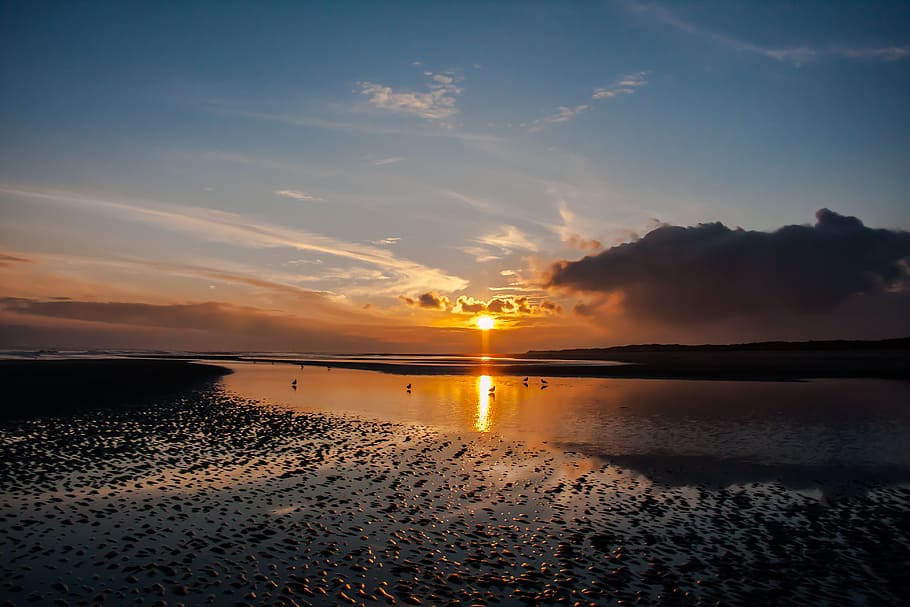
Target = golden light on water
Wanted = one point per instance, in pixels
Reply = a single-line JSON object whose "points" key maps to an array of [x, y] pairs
{"points": [[482, 421], [485, 323]]}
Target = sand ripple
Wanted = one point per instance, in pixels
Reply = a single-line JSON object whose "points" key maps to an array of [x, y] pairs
{"points": [[217, 500]]}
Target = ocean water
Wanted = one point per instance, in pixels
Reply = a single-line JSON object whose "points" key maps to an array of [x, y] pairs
{"points": [[803, 432]]}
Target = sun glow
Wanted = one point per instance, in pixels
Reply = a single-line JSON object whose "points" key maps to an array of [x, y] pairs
{"points": [[485, 323]]}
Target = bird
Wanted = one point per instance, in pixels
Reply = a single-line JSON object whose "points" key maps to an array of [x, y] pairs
{"points": [[543, 381], [408, 387], [492, 389], [525, 380], [294, 383]]}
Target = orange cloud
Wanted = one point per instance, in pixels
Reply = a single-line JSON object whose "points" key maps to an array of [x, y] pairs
{"points": [[204, 325], [7, 260], [574, 241], [505, 306]]}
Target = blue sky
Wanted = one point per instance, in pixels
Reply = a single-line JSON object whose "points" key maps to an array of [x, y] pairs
{"points": [[393, 149]]}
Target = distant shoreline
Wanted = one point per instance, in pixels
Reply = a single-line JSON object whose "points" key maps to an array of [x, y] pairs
{"points": [[717, 366], [773, 366], [827, 345], [883, 359], [759, 361]]}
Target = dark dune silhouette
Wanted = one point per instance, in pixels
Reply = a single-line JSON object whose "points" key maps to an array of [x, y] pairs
{"points": [[886, 359]]}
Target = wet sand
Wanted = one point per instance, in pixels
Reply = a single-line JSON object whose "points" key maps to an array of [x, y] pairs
{"points": [[213, 498], [62, 386]]}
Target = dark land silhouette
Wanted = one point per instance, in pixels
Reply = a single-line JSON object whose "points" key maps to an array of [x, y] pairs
{"points": [[759, 361], [38, 387], [886, 359]]}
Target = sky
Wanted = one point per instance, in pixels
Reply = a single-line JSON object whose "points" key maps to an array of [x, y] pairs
{"points": [[350, 177]]}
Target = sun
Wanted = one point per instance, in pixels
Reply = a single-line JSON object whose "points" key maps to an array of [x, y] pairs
{"points": [[485, 323]]}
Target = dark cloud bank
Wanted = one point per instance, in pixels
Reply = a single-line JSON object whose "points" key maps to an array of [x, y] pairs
{"points": [[711, 272]]}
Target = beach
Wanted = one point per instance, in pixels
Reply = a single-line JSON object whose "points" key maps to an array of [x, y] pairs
{"points": [[213, 497]]}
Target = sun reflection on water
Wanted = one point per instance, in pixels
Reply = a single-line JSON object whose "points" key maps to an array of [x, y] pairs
{"points": [[483, 422]]}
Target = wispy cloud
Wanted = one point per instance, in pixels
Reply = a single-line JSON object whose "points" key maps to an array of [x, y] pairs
{"points": [[192, 326], [72, 274], [6, 260], [368, 128], [508, 238], [298, 195], [625, 85], [480, 254], [437, 103], [571, 228], [795, 55], [880, 53], [500, 210], [472, 201], [390, 160], [564, 113], [245, 231]]}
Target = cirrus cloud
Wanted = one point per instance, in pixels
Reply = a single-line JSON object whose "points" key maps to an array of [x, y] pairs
{"points": [[298, 195], [796, 55], [391, 274], [624, 85]]}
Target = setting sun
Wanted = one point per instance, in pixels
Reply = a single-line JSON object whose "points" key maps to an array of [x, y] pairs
{"points": [[485, 323]]}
